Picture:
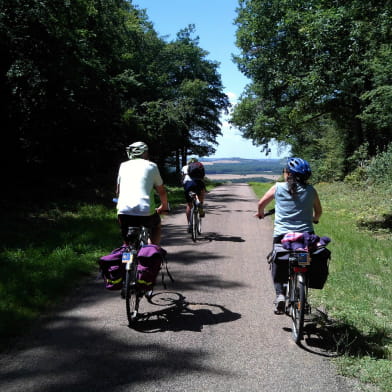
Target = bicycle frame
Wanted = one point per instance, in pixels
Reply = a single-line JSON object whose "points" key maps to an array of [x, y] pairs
{"points": [[297, 292]]}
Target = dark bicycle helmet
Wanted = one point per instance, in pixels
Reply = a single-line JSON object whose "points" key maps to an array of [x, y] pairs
{"points": [[299, 167], [192, 160]]}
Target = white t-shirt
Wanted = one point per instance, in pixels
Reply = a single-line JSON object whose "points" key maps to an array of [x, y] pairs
{"points": [[185, 174], [137, 178]]}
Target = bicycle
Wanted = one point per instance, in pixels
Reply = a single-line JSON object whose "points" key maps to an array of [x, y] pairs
{"points": [[296, 303], [132, 292], [194, 226]]}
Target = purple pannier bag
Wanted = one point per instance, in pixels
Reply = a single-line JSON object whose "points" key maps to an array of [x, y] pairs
{"points": [[113, 269], [150, 259]]}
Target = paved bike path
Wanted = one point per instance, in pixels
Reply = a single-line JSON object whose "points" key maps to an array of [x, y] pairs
{"points": [[213, 329]]}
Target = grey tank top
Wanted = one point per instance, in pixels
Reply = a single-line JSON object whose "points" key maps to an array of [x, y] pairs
{"points": [[293, 213]]}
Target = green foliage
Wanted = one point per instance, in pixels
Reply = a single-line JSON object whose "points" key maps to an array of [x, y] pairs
{"points": [[313, 62], [324, 148], [371, 171], [379, 169], [81, 79], [377, 113]]}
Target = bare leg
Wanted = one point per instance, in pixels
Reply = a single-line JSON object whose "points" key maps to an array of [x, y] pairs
{"points": [[156, 234], [188, 211], [201, 196]]}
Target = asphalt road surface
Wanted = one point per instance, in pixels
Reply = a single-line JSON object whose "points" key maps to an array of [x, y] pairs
{"points": [[213, 329]]}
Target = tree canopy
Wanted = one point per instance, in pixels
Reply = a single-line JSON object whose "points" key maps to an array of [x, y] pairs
{"points": [[319, 69], [80, 80]]}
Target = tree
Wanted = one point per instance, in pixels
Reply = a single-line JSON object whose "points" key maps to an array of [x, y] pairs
{"points": [[80, 80], [59, 68], [310, 63], [185, 118]]}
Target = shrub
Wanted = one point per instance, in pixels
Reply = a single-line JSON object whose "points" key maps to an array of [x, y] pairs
{"points": [[380, 167]]}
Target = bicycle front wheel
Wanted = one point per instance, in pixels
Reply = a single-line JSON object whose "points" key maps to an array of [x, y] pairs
{"points": [[132, 297], [298, 301]]}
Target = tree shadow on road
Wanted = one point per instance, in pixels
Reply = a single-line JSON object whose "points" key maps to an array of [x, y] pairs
{"points": [[68, 351], [177, 314], [220, 237]]}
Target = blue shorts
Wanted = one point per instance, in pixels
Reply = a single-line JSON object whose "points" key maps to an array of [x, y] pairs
{"points": [[194, 185]]}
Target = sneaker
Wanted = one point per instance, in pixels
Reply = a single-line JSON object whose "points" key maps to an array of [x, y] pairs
{"points": [[201, 211], [280, 302]]}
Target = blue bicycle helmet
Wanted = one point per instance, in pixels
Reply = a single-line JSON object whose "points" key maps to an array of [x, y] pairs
{"points": [[299, 167]]}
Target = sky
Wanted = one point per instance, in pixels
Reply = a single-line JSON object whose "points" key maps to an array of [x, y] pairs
{"points": [[214, 25]]}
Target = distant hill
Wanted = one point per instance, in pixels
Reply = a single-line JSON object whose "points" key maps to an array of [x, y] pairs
{"points": [[242, 170], [242, 166]]}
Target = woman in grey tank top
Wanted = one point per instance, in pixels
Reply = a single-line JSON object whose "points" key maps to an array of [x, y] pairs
{"points": [[297, 207]]}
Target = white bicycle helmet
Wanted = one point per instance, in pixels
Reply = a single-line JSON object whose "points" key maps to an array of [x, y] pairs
{"points": [[136, 150]]}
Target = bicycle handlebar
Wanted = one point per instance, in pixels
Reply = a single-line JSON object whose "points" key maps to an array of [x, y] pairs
{"points": [[270, 212]]}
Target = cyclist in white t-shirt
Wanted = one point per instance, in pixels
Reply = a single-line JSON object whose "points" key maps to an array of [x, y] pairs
{"points": [[137, 178]]}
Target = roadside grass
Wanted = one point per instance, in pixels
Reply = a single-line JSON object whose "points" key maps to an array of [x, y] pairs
{"points": [[46, 251], [356, 299]]}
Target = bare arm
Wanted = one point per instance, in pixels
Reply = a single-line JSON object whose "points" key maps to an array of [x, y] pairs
{"points": [[264, 201], [317, 208], [163, 197]]}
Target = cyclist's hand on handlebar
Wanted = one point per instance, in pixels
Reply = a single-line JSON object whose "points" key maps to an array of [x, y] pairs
{"points": [[160, 210], [262, 214]]}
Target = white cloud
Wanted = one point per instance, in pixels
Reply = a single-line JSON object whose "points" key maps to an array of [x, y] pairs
{"points": [[232, 97]]}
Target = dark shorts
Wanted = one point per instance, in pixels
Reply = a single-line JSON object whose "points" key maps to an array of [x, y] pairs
{"points": [[126, 221], [194, 185]]}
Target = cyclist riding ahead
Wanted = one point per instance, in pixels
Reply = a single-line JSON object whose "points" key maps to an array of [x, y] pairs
{"points": [[136, 181], [192, 180], [297, 207]]}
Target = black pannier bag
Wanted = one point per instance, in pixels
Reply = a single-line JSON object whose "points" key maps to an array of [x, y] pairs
{"points": [[319, 268], [278, 254], [279, 262]]}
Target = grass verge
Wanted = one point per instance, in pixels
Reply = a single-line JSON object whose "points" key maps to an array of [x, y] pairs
{"points": [[357, 297]]}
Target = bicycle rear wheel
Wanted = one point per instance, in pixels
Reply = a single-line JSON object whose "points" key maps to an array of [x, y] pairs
{"points": [[198, 223], [132, 297], [298, 301], [194, 223]]}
